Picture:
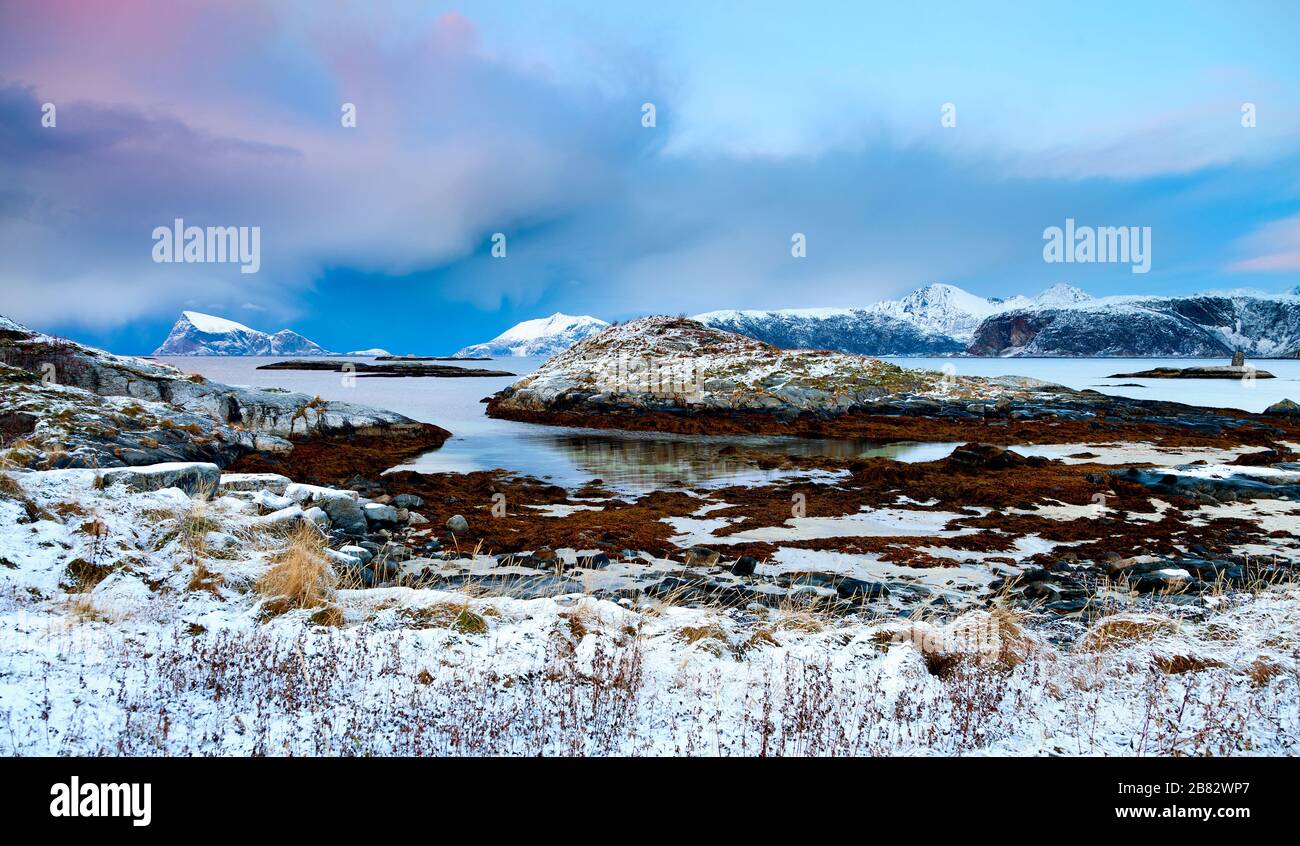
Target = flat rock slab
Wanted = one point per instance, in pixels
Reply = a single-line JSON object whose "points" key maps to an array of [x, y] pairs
{"points": [[1221, 372], [394, 369], [193, 477], [273, 482]]}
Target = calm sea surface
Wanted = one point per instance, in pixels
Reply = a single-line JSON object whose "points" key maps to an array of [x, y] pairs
{"points": [[639, 462]]}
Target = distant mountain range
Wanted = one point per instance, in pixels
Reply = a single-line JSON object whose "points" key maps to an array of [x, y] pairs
{"points": [[1062, 321], [935, 320], [196, 333], [543, 336]]}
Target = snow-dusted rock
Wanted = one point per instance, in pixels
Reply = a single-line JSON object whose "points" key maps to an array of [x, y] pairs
{"points": [[303, 493], [273, 482], [283, 519], [193, 477], [346, 514], [186, 416], [378, 514]]}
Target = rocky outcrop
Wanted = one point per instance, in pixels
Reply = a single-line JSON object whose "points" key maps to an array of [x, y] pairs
{"points": [[395, 369], [1225, 371], [676, 375], [133, 411]]}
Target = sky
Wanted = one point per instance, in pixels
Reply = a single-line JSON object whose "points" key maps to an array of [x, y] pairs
{"points": [[527, 120]]}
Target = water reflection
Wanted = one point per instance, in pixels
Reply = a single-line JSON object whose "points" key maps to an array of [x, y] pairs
{"points": [[639, 462]]}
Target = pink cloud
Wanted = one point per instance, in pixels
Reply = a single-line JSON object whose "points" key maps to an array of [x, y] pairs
{"points": [[1274, 247]]}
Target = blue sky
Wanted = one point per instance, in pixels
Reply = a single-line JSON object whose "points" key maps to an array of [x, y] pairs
{"points": [[525, 119]]}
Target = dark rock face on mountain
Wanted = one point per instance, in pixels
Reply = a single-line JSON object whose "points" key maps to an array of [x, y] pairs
{"points": [[849, 330], [1205, 326]]}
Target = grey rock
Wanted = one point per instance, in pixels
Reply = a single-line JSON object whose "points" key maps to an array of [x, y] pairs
{"points": [[702, 556], [345, 514], [273, 482], [458, 524], [195, 478]]}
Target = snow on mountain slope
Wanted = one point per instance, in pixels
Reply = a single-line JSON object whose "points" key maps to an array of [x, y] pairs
{"points": [[858, 331], [196, 333], [1210, 325], [933, 320], [952, 311], [945, 309], [541, 336]]}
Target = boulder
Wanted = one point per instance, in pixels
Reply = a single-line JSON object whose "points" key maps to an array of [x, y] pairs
{"points": [[273, 482], [318, 516], [193, 477], [457, 524], [360, 553], [702, 556], [408, 501], [301, 493], [1284, 408], [378, 514], [285, 518], [857, 590], [269, 501], [345, 514]]}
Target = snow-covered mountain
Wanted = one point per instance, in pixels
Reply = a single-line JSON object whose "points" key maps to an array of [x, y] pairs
{"points": [[1200, 325], [952, 311], [373, 352], [542, 336], [859, 331], [937, 319], [196, 333]]}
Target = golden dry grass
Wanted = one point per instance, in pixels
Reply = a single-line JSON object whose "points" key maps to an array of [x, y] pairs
{"points": [[1115, 632], [300, 576]]}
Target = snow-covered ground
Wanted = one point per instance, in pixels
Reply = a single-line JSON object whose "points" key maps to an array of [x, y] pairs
{"points": [[172, 651]]}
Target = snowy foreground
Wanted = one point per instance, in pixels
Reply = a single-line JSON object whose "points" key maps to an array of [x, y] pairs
{"points": [[133, 623]]}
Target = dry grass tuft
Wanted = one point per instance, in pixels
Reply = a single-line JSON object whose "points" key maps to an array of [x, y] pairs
{"points": [[9, 487], [1175, 664], [201, 578], [1263, 670], [1125, 630], [708, 631], [301, 576]]}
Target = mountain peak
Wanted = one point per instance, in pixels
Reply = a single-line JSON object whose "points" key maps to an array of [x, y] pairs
{"points": [[940, 307], [539, 336], [1062, 294], [211, 324], [196, 333]]}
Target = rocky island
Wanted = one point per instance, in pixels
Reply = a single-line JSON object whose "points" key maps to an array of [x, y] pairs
{"points": [[677, 375], [65, 405], [395, 368]]}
